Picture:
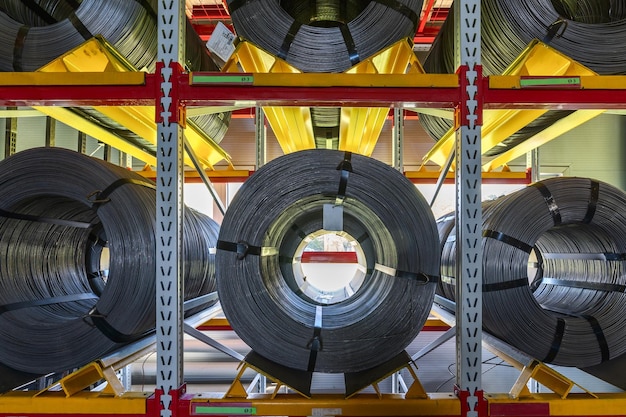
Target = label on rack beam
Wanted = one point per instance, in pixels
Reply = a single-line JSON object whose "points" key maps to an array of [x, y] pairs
{"points": [[549, 82], [223, 409], [199, 78]]}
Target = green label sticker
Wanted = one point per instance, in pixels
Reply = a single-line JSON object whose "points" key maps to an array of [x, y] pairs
{"points": [[223, 410], [222, 79], [550, 82]]}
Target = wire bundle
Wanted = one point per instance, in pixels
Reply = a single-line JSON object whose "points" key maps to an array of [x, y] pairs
{"points": [[271, 215], [34, 33], [62, 302], [325, 36], [589, 31], [554, 270]]}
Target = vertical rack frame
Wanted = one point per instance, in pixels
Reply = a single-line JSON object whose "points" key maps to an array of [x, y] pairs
{"points": [[468, 180], [169, 216]]}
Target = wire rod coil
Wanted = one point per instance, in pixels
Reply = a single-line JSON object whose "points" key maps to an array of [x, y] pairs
{"points": [[77, 259], [32, 34], [554, 270], [588, 31], [324, 35], [269, 218]]}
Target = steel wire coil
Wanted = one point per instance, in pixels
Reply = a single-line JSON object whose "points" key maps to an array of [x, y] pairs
{"points": [[32, 34], [269, 218], [588, 31], [324, 36], [554, 270], [77, 259]]}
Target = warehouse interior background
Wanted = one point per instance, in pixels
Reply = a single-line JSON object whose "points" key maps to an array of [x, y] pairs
{"points": [[594, 149]]}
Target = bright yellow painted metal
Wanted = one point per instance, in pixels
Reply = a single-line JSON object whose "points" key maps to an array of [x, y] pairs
{"points": [[291, 125], [413, 78], [95, 130], [360, 127], [437, 404], [558, 128], [67, 78], [395, 66], [97, 62], [538, 59], [84, 402]]}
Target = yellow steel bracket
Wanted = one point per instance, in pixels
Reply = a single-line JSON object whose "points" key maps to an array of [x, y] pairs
{"points": [[291, 125], [98, 56], [237, 390], [538, 59], [86, 376], [359, 128], [547, 377]]}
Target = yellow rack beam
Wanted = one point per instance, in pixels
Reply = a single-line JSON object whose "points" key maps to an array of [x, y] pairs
{"points": [[538, 59], [97, 56], [359, 127]]}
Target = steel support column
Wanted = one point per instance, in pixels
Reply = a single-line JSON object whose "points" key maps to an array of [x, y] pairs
{"points": [[82, 142], [397, 140], [51, 129], [468, 209], [10, 134], [169, 268], [260, 137]]}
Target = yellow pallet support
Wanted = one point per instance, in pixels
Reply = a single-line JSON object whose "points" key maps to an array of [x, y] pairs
{"points": [[538, 59], [98, 56], [359, 128]]}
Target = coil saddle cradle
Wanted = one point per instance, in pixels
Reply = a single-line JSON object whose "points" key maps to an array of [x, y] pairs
{"points": [[259, 274]]}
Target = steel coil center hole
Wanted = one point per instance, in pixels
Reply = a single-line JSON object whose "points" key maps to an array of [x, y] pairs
{"points": [[324, 13], [331, 266], [573, 267]]}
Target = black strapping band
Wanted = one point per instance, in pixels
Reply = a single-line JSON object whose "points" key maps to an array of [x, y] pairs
{"points": [[47, 301], [111, 332], [556, 341], [402, 9], [509, 240], [420, 277], [598, 286], [299, 231], [345, 167], [79, 26], [316, 342], [102, 196], [602, 343], [552, 206], [506, 285], [289, 37], [350, 45], [31, 218], [18, 47], [593, 201], [39, 11], [243, 249]]}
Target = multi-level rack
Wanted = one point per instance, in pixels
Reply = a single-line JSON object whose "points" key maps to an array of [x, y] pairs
{"points": [[171, 91]]}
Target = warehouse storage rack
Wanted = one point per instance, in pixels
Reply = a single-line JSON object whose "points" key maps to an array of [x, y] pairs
{"points": [[171, 90]]}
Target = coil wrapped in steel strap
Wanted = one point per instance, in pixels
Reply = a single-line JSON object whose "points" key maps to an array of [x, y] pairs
{"points": [[34, 33], [591, 32], [324, 36], [554, 270], [61, 305], [271, 215]]}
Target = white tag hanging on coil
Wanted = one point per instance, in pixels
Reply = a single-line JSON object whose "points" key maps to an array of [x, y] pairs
{"points": [[221, 42]]}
